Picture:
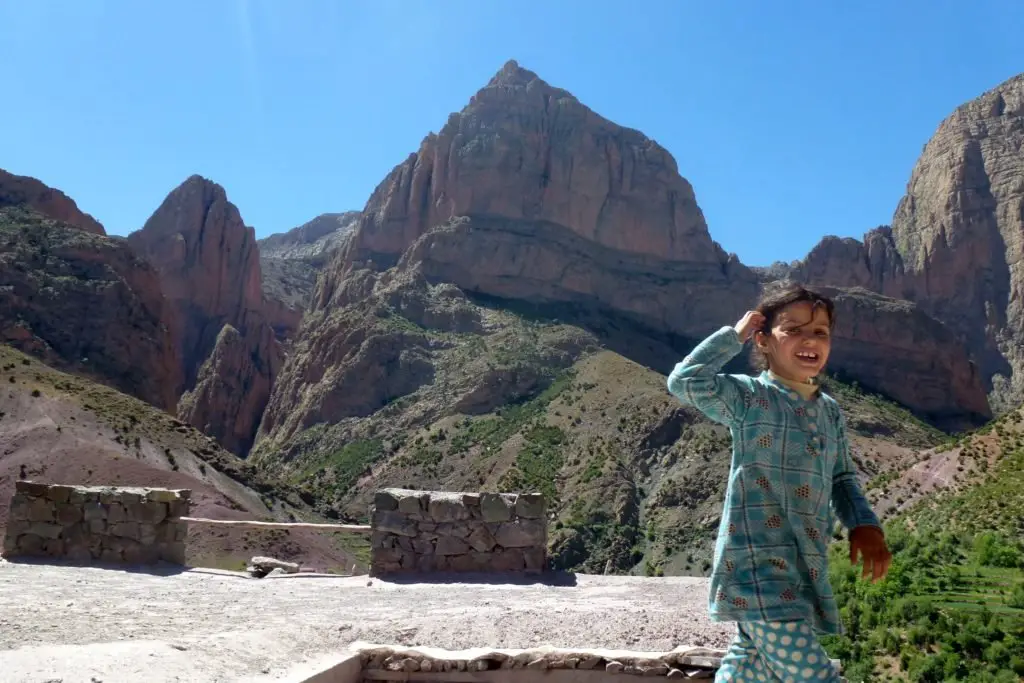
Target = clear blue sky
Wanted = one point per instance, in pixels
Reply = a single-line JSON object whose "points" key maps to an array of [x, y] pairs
{"points": [[792, 119]]}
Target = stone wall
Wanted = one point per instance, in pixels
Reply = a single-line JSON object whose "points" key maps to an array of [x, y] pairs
{"points": [[97, 523], [430, 531]]}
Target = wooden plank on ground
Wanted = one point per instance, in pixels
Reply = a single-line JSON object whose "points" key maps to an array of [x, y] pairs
{"points": [[352, 528]]}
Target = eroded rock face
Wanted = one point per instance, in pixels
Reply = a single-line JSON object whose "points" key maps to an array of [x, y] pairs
{"points": [[86, 304], [210, 271], [561, 202], [312, 240], [956, 247], [499, 204], [894, 348], [232, 388], [18, 190], [291, 261]]}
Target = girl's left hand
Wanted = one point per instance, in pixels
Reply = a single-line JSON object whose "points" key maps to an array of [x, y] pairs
{"points": [[869, 543]]}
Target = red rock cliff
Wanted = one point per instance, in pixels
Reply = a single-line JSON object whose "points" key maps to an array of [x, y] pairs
{"points": [[956, 246], [19, 190], [209, 266]]}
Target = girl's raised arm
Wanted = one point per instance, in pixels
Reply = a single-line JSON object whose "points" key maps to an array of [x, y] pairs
{"points": [[696, 381]]}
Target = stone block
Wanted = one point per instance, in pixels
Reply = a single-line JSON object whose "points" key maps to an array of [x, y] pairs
{"points": [[148, 513], [53, 547], [494, 507], [93, 510], [77, 533], [454, 529], [423, 546], [60, 494], [428, 563], [531, 506], [180, 532], [31, 488], [178, 508], [112, 555], [161, 496], [171, 552], [10, 545], [30, 544], [147, 533], [536, 559], [68, 514], [385, 555], [137, 553], [17, 527], [481, 539], [47, 530], [269, 564], [408, 560], [413, 505], [381, 539], [393, 522], [507, 560], [77, 496], [405, 543], [41, 510], [78, 553], [98, 526], [471, 500], [447, 508], [449, 545], [522, 533], [385, 500], [165, 533], [125, 530], [19, 507], [116, 513]]}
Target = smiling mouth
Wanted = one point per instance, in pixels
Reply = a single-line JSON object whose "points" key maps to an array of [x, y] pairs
{"points": [[809, 356]]}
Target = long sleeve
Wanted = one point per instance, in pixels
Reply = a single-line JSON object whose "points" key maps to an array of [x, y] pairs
{"points": [[849, 502], [696, 380]]}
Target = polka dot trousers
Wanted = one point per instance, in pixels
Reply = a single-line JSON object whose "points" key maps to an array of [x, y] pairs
{"points": [[769, 652]]}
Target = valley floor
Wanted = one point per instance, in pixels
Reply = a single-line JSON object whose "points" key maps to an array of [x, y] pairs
{"points": [[90, 624]]}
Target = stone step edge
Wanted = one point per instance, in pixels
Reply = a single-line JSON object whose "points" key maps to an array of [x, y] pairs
{"points": [[397, 658]]}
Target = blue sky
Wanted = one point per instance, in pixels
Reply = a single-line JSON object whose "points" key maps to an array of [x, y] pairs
{"points": [[792, 119]]}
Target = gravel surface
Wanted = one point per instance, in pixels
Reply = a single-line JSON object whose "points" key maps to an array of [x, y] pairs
{"points": [[89, 625]]}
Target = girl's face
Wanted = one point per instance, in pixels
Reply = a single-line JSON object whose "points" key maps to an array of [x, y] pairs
{"points": [[799, 341]]}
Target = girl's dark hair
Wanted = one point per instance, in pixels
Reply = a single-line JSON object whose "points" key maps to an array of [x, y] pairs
{"points": [[776, 298]]}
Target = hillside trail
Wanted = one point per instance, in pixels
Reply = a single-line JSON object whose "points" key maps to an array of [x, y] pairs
{"points": [[97, 625]]}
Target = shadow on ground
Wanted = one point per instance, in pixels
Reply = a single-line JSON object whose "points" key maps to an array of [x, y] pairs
{"points": [[567, 579], [161, 569]]}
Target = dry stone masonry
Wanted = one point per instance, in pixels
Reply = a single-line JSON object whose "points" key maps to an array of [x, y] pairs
{"points": [[379, 662], [430, 531], [430, 665], [97, 523]]}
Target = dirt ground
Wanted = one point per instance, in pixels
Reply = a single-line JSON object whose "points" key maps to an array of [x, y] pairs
{"points": [[94, 625]]}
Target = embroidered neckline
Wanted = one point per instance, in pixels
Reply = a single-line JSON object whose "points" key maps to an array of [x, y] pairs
{"points": [[792, 394]]}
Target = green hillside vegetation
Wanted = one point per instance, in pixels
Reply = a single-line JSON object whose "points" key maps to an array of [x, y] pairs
{"points": [[517, 403], [952, 606]]}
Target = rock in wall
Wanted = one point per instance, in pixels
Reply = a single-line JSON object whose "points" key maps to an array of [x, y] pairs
{"points": [[431, 531]]}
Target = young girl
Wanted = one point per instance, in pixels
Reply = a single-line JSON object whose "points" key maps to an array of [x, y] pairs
{"points": [[790, 469]]}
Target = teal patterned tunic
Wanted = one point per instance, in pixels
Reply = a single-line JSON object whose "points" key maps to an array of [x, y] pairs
{"points": [[790, 470]]}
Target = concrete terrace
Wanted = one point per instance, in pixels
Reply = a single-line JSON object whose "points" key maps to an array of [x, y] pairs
{"points": [[60, 622]]}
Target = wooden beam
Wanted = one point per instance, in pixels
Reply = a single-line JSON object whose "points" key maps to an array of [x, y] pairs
{"points": [[353, 528]]}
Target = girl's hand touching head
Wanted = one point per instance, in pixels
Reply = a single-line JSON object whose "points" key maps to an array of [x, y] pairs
{"points": [[751, 322]]}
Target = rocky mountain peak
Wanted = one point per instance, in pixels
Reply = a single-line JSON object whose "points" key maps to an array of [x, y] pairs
{"points": [[209, 268], [19, 190]]}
